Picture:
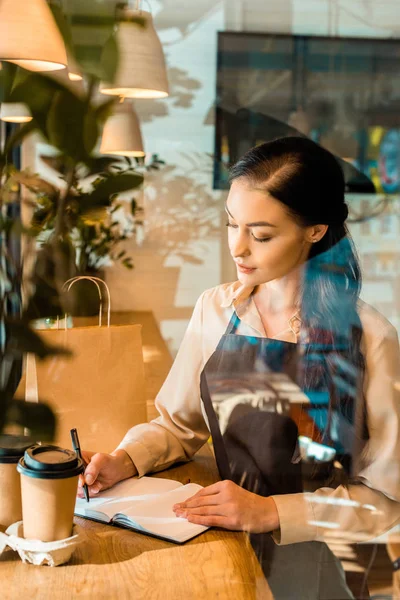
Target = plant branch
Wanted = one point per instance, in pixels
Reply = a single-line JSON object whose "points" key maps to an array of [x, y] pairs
{"points": [[60, 222]]}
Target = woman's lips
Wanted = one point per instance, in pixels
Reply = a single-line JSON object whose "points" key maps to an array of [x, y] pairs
{"points": [[245, 270]]}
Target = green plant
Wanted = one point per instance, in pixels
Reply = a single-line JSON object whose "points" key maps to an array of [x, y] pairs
{"points": [[96, 235], [70, 122]]}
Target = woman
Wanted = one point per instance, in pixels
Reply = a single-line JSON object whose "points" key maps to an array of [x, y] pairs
{"points": [[294, 313]]}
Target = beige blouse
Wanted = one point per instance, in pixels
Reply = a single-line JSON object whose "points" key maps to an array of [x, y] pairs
{"points": [[359, 512]]}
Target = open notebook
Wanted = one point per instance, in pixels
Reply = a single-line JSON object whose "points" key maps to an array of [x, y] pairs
{"points": [[144, 505]]}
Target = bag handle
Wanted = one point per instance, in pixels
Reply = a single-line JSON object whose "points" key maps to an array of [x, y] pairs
{"points": [[70, 282], [31, 379]]}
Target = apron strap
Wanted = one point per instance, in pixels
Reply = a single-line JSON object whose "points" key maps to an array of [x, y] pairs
{"points": [[233, 324], [221, 455]]}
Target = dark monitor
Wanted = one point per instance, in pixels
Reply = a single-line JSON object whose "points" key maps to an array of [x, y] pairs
{"points": [[343, 93]]}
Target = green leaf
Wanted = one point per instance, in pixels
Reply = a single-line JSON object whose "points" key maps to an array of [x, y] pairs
{"points": [[22, 339], [92, 214], [100, 164], [66, 124], [39, 93], [110, 186], [37, 417], [62, 24], [90, 131], [109, 60], [35, 184], [99, 60], [7, 77], [104, 110], [55, 263], [19, 135], [127, 262], [35, 90]]}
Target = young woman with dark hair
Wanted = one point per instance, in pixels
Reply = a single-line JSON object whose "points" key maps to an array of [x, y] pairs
{"points": [[294, 319]]}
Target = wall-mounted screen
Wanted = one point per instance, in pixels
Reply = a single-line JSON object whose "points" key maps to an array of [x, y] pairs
{"points": [[343, 93]]}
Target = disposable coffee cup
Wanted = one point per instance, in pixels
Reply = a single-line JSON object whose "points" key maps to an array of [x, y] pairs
{"points": [[12, 448], [49, 483]]}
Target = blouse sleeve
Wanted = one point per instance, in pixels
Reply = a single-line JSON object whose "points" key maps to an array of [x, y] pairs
{"points": [[180, 430], [363, 510]]}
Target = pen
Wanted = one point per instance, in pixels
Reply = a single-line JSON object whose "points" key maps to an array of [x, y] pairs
{"points": [[77, 448]]}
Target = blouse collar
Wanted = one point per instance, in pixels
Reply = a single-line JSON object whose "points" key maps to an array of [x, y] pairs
{"points": [[241, 298]]}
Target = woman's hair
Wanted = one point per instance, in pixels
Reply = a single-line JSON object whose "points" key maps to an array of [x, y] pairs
{"points": [[309, 181]]}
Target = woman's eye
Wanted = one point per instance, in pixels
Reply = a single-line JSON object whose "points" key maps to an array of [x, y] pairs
{"points": [[264, 239]]}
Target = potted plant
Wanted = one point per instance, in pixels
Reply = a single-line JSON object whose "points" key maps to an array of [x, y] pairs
{"points": [[94, 234], [70, 122]]}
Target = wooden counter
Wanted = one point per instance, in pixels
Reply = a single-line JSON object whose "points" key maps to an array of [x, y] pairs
{"points": [[114, 563]]}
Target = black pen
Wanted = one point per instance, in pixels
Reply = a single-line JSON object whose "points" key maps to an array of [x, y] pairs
{"points": [[77, 448]]}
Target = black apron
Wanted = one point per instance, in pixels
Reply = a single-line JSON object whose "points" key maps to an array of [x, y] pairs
{"points": [[256, 445]]}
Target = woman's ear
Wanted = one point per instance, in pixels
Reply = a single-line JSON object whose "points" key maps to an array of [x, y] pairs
{"points": [[315, 233]]}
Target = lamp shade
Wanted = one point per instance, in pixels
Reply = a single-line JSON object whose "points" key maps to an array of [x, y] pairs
{"points": [[121, 133], [74, 72], [15, 112], [74, 76], [29, 36], [141, 70]]}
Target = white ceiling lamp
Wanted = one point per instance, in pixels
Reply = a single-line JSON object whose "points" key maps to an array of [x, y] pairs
{"points": [[74, 76], [121, 133], [29, 36], [74, 73], [141, 70], [15, 112]]}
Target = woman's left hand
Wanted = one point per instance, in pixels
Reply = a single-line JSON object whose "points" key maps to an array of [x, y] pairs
{"points": [[225, 504]]}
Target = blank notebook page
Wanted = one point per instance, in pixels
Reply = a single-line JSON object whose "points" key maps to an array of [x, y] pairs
{"points": [[126, 492], [155, 514], [146, 504]]}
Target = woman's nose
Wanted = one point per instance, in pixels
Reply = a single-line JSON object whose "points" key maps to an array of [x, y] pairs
{"points": [[239, 246]]}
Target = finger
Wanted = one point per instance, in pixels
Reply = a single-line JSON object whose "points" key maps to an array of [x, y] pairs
{"points": [[93, 469], [202, 510], [95, 489], [90, 475], [195, 501], [86, 456], [215, 488], [209, 520]]}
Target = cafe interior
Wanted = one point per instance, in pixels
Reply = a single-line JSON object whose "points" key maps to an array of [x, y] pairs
{"points": [[119, 124]]}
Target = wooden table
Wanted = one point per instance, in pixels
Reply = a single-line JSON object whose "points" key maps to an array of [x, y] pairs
{"points": [[118, 564]]}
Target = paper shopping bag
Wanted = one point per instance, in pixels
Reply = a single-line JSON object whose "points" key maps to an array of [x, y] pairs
{"points": [[99, 390]]}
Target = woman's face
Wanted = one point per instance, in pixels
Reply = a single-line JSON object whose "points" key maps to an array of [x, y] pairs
{"points": [[264, 240]]}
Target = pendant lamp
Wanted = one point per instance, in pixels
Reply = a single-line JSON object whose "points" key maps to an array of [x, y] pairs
{"points": [[74, 76], [121, 133], [15, 112], [74, 72], [141, 71], [29, 36]]}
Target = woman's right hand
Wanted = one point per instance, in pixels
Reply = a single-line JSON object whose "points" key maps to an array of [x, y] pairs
{"points": [[105, 470]]}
